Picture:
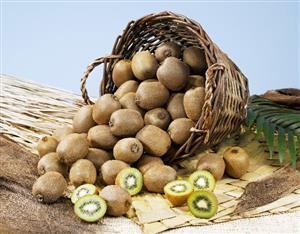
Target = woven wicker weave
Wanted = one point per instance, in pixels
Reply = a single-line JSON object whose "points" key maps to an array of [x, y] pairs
{"points": [[226, 87]]}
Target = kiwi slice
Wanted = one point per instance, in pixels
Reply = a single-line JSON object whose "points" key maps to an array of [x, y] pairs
{"points": [[130, 179], [90, 208], [203, 204], [202, 180], [178, 191], [83, 190]]}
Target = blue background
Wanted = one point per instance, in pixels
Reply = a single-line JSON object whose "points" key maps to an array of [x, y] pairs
{"points": [[53, 42]]}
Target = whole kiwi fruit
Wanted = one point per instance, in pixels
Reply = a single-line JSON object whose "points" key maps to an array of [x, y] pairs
{"points": [[104, 107], [61, 132], [122, 72], [83, 119], [167, 49], [100, 136], [144, 65], [195, 58], [46, 144], [155, 140], [98, 157], [193, 101], [127, 87], [125, 122], [118, 200], [49, 187], [82, 171], [175, 106], [128, 102], [51, 162], [214, 163], [157, 177], [150, 95], [128, 150], [110, 170], [158, 117], [179, 130], [173, 73], [195, 81], [148, 161]]}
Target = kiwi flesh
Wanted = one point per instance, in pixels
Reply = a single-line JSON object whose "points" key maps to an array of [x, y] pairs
{"points": [[127, 87], [83, 119], [82, 171], [118, 200], [148, 161], [98, 157], [62, 132], [193, 102], [175, 106], [214, 163], [144, 65], [203, 204], [49, 187], [178, 191], [167, 49], [179, 130], [128, 102], [90, 208], [128, 150], [158, 117], [51, 162], [173, 74], [100, 136], [83, 190], [195, 81], [130, 179], [122, 72], [46, 144], [125, 122], [155, 140], [150, 95], [104, 107], [202, 180], [195, 58], [110, 169]]}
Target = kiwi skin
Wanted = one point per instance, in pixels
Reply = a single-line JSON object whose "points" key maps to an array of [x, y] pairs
{"points": [[195, 81], [122, 72], [62, 132], [82, 171], [179, 130], [193, 102], [175, 106], [46, 144], [214, 163], [98, 157], [144, 65], [148, 161], [128, 150], [158, 117], [51, 162], [49, 187], [118, 200], [128, 102], [127, 87], [100, 136], [167, 49], [110, 170], [83, 119], [195, 58]]}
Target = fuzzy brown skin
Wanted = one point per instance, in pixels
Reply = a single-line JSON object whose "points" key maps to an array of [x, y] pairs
{"points": [[175, 106], [83, 119], [82, 172], [147, 161], [127, 87], [167, 49], [51, 162], [46, 144], [98, 157], [158, 117], [110, 170], [195, 81], [195, 58], [128, 150], [62, 132], [144, 65], [122, 72], [193, 102], [100, 136], [214, 163], [128, 102], [179, 130]]}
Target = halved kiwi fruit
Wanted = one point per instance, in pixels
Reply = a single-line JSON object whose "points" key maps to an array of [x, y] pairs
{"points": [[158, 117], [46, 144], [130, 179], [144, 65], [178, 191], [82, 171], [203, 204], [100, 136], [122, 72], [83, 119], [83, 190], [167, 49], [127, 87], [90, 208], [128, 150], [202, 180]]}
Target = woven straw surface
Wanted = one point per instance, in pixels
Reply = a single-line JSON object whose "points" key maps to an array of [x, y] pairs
{"points": [[29, 111]]}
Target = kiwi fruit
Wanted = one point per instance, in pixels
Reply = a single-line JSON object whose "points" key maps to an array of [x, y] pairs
{"points": [[83, 190], [195, 58], [150, 95], [148, 161], [130, 179], [51, 162], [100, 136], [167, 49], [203, 204], [214, 163], [46, 144], [158, 117], [173, 73], [127, 87], [90, 208], [125, 122], [104, 107], [179, 130], [201, 179], [195, 81], [98, 157], [193, 101], [175, 106], [237, 161], [122, 72], [82, 171], [118, 200], [155, 140], [83, 119], [62, 132], [73, 147], [178, 191], [110, 169], [128, 102], [144, 65], [128, 150], [157, 177], [49, 187]]}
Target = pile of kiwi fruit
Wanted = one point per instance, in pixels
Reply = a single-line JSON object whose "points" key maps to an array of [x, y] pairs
{"points": [[116, 147]]}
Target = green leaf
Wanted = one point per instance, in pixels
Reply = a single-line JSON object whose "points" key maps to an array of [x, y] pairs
{"points": [[281, 144], [259, 126], [268, 129], [292, 148], [251, 116]]}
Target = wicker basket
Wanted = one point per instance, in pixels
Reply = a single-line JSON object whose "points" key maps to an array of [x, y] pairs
{"points": [[226, 87]]}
